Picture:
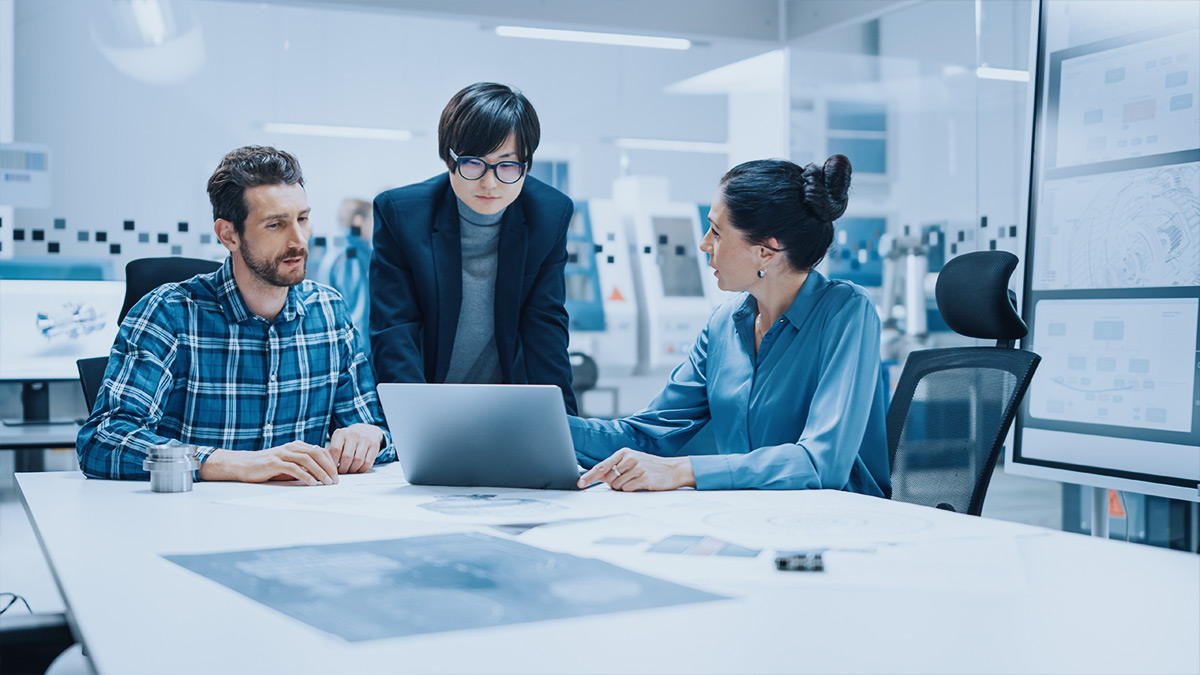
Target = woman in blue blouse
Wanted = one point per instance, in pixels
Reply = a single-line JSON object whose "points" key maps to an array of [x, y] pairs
{"points": [[788, 373]]}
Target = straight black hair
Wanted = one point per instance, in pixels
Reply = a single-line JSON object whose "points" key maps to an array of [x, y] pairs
{"points": [[247, 167], [777, 198], [478, 119]]}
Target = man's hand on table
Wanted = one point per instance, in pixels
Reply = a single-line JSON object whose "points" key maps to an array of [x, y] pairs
{"points": [[309, 464], [354, 448]]}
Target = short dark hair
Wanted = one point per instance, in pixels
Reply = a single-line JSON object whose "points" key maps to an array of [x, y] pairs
{"points": [[797, 206], [247, 167], [478, 119]]}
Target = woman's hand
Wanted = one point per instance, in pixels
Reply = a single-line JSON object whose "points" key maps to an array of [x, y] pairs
{"points": [[629, 470]]}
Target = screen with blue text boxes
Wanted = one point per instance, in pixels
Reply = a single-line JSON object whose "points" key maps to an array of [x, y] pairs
{"points": [[1113, 260], [46, 325]]}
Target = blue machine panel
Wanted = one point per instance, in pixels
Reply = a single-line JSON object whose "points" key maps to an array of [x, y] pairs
{"points": [[585, 305], [855, 252]]}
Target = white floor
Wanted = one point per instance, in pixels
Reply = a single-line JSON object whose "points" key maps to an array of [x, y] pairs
{"points": [[23, 570]]}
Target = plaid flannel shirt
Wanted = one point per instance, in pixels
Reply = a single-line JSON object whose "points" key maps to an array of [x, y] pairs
{"points": [[192, 364]]}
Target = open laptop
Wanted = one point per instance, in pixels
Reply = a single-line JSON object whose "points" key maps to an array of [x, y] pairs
{"points": [[481, 435]]}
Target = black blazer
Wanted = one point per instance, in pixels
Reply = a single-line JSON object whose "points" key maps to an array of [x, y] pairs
{"points": [[416, 285]]}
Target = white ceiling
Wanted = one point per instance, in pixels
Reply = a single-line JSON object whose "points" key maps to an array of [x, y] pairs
{"points": [[768, 21]]}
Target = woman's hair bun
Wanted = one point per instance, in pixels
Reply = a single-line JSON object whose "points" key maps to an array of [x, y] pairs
{"points": [[827, 188]]}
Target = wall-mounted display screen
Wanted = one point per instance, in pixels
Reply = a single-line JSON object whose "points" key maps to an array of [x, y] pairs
{"points": [[1112, 286]]}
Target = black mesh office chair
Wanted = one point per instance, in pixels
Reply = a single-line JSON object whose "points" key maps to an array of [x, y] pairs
{"points": [[141, 276], [953, 407]]}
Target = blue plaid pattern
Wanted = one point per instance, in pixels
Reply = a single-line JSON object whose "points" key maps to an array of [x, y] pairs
{"points": [[192, 364]]}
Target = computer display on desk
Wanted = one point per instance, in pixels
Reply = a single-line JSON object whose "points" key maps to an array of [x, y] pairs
{"points": [[46, 325]]}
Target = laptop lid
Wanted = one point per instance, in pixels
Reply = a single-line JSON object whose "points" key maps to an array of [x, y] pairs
{"points": [[481, 435]]}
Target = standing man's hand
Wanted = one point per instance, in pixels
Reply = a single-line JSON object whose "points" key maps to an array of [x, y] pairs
{"points": [[354, 448], [309, 464]]}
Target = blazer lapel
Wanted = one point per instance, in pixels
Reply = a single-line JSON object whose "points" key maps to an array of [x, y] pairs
{"points": [[447, 265], [510, 273]]}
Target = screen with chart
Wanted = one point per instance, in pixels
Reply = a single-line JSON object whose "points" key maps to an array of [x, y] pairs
{"points": [[1112, 286]]}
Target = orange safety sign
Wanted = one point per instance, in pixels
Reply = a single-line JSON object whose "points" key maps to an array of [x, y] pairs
{"points": [[1115, 509]]}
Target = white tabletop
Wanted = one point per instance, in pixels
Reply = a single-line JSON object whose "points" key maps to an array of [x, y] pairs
{"points": [[907, 588]]}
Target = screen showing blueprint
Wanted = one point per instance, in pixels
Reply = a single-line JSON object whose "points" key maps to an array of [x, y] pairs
{"points": [[1113, 265]]}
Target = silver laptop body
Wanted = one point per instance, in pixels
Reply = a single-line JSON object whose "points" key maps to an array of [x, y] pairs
{"points": [[481, 435]]}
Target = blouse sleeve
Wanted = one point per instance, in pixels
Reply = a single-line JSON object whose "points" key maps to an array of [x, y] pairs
{"points": [[664, 427]]}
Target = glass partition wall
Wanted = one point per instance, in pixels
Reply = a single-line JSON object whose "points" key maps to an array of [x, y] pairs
{"points": [[929, 101]]}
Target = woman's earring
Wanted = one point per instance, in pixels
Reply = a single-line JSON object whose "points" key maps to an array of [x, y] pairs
{"points": [[761, 273]]}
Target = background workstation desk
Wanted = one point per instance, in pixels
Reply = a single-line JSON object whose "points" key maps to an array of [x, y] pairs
{"points": [[906, 589], [28, 440]]}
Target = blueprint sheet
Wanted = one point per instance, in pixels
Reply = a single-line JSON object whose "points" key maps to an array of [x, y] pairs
{"points": [[393, 588]]}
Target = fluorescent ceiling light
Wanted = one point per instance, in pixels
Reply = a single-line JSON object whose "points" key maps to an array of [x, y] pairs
{"points": [[337, 132], [148, 16], [1002, 74], [596, 38], [671, 146]]}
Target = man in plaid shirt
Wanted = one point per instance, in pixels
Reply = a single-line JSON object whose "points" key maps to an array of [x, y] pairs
{"points": [[250, 357]]}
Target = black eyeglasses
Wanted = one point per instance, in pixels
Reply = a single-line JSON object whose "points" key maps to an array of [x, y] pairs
{"points": [[473, 168]]}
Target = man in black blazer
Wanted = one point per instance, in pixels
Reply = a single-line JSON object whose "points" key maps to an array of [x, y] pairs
{"points": [[467, 269]]}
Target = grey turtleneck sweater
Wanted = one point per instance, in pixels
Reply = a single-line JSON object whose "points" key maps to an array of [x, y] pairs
{"points": [[474, 357]]}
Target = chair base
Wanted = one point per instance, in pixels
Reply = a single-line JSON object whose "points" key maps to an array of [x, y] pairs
{"points": [[29, 643]]}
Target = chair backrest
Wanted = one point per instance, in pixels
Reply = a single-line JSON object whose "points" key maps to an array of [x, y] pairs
{"points": [[141, 276], [953, 407], [146, 274], [91, 376]]}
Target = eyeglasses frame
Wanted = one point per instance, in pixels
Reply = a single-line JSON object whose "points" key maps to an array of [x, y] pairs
{"points": [[494, 168]]}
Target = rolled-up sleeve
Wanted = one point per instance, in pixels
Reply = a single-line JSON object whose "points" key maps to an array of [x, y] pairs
{"points": [[117, 436]]}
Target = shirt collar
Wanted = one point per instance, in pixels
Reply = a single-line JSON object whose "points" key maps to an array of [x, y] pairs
{"points": [[806, 299], [801, 307], [229, 296]]}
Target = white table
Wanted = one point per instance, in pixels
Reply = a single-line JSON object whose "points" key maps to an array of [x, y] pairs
{"points": [[907, 589]]}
